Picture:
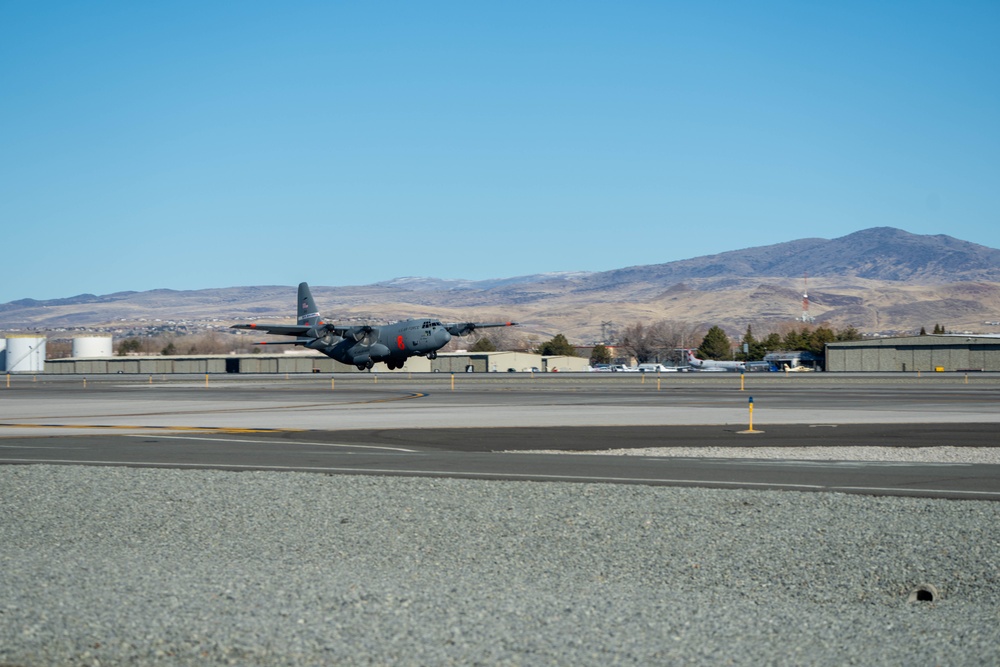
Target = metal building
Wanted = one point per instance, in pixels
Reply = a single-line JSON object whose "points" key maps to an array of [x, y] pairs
{"points": [[505, 362], [794, 360], [220, 363], [948, 352]]}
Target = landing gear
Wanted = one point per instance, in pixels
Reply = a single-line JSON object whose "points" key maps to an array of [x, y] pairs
{"points": [[432, 355]]}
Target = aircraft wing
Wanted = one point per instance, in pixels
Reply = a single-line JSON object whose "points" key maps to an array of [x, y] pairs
{"points": [[465, 328], [277, 329], [304, 330]]}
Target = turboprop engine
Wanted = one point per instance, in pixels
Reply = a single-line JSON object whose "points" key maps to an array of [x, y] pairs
{"points": [[361, 355]]}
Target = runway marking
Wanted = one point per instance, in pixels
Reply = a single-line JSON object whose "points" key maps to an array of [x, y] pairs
{"points": [[812, 463], [279, 442], [205, 429], [35, 447], [515, 476], [259, 408]]}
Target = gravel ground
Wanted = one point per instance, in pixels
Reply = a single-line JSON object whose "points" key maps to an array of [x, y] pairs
{"points": [[116, 566]]}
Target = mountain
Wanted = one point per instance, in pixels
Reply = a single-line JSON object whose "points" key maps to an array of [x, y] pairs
{"points": [[878, 280], [882, 253]]}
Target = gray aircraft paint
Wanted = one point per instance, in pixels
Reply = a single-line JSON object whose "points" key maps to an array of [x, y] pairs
{"points": [[365, 345]]}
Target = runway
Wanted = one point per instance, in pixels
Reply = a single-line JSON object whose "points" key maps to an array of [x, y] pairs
{"points": [[473, 427]]}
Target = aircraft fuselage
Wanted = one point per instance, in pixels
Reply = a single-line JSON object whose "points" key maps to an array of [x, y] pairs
{"points": [[389, 343]]}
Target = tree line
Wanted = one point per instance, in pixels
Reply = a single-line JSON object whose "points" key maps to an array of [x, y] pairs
{"points": [[663, 341]]}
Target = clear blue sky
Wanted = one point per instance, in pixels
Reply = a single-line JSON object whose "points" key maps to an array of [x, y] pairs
{"points": [[208, 144]]}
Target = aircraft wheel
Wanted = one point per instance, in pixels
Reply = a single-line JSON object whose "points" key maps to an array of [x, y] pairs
{"points": [[369, 364], [361, 367]]}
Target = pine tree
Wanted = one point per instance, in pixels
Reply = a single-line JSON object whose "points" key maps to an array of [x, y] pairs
{"points": [[557, 347], [772, 343], [755, 348], [795, 340], [600, 355], [715, 345], [817, 340], [849, 333]]}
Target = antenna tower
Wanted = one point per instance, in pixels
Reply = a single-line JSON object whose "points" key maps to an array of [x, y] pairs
{"points": [[607, 332], [806, 317]]}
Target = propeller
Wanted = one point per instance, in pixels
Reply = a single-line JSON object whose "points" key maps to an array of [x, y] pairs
{"points": [[322, 333], [366, 335]]}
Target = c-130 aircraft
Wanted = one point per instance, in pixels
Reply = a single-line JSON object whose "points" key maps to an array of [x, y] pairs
{"points": [[364, 345]]}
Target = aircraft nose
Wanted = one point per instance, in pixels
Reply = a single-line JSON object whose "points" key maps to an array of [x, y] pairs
{"points": [[443, 336]]}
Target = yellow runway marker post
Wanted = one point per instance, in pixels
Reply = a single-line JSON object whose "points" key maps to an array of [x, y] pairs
{"points": [[751, 429]]}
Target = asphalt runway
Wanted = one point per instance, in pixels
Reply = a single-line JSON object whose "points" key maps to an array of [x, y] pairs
{"points": [[439, 425]]}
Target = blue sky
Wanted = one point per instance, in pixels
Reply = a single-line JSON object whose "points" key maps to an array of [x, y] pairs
{"points": [[187, 145]]}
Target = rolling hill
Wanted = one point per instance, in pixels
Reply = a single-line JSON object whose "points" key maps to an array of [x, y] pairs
{"points": [[878, 280]]}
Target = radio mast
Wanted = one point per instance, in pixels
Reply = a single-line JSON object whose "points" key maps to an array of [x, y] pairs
{"points": [[806, 317]]}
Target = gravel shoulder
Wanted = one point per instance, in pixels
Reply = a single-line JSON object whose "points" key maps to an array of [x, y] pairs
{"points": [[119, 566]]}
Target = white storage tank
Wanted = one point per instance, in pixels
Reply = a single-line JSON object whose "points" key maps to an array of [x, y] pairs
{"points": [[25, 353], [92, 347]]}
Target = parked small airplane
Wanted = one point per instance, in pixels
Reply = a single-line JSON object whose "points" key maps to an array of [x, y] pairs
{"points": [[710, 364], [364, 345]]}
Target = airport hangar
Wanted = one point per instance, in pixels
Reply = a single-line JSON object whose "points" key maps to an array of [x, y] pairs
{"points": [[313, 362], [931, 352], [947, 352]]}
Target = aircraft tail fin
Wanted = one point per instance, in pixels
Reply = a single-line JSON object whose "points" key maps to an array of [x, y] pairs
{"points": [[308, 313]]}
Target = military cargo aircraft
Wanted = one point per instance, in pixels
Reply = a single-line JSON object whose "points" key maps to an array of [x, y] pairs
{"points": [[364, 345]]}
